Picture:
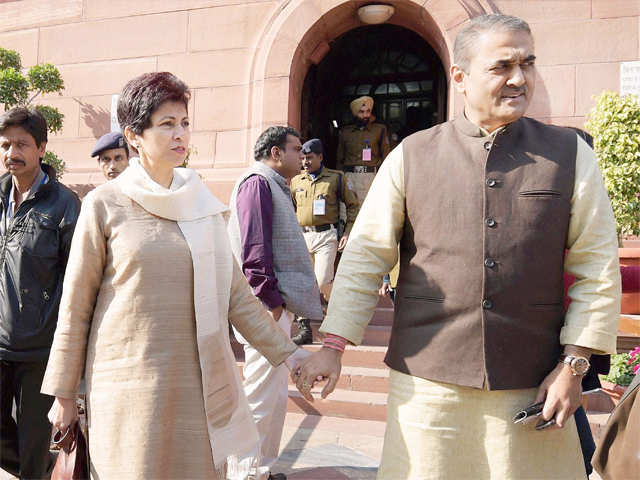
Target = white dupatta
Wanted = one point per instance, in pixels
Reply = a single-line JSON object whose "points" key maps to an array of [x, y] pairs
{"points": [[198, 214]]}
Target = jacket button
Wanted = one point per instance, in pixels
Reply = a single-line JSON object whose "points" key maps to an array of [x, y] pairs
{"points": [[487, 304], [490, 222], [492, 182], [489, 262], [487, 146]]}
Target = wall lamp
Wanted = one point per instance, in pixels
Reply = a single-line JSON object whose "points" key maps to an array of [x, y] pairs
{"points": [[375, 13]]}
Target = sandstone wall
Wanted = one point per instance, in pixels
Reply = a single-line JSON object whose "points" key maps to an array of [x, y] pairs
{"points": [[245, 60]]}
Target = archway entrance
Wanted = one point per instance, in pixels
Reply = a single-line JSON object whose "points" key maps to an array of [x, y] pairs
{"points": [[395, 66]]}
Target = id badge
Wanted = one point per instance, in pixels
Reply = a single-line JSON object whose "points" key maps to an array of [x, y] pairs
{"points": [[319, 206], [366, 154]]}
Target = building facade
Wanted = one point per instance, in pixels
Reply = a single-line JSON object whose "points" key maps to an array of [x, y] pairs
{"points": [[252, 64]]}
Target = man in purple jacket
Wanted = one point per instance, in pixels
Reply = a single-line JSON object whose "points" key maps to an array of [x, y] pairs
{"points": [[268, 243]]}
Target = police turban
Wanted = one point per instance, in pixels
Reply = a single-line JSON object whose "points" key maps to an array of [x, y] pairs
{"points": [[358, 103]]}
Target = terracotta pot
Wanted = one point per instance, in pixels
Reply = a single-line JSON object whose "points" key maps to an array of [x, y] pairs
{"points": [[613, 390]]}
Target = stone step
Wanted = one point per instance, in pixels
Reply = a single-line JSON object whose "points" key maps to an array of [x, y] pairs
{"points": [[368, 356], [341, 403], [597, 422], [374, 335], [359, 379]]}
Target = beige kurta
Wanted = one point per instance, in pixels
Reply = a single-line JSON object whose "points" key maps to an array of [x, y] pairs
{"points": [[469, 434], [143, 376]]}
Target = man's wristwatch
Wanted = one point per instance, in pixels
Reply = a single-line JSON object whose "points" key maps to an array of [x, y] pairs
{"points": [[579, 365]]}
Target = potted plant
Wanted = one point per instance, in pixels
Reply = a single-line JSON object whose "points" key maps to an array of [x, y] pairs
{"points": [[624, 367], [614, 123]]}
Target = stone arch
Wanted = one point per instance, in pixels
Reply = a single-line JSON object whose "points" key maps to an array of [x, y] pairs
{"points": [[299, 32]]}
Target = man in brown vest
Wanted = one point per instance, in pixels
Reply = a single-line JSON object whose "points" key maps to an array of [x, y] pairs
{"points": [[483, 209]]}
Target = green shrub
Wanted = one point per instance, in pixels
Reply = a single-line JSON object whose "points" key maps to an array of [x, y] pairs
{"points": [[20, 89], [55, 161], [624, 367], [615, 125]]}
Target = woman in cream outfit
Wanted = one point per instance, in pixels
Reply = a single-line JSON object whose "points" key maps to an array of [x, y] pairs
{"points": [[150, 288]]}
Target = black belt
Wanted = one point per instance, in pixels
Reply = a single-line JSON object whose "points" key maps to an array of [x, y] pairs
{"points": [[360, 169], [320, 228]]}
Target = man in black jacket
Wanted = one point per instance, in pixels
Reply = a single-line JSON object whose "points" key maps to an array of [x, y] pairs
{"points": [[37, 218]]}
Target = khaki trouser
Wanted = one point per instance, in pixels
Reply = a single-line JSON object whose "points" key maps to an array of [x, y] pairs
{"points": [[323, 247], [443, 431], [360, 182]]}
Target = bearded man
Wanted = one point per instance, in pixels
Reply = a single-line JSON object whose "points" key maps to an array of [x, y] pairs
{"points": [[362, 147]]}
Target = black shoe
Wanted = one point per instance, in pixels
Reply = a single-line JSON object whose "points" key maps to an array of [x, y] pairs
{"points": [[277, 476], [305, 334]]}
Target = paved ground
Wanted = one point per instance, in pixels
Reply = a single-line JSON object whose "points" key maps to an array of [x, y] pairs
{"points": [[327, 448]]}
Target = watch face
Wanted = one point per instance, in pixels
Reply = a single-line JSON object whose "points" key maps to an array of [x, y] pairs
{"points": [[580, 365]]}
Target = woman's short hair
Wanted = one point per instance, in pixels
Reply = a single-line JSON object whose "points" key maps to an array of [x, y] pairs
{"points": [[143, 95], [29, 119], [272, 137]]}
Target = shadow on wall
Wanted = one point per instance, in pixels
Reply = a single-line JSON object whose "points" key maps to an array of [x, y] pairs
{"points": [[97, 119]]}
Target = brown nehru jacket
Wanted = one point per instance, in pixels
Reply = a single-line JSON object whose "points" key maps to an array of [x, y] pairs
{"points": [[496, 321]]}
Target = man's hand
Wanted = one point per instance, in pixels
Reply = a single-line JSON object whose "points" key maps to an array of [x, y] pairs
{"points": [[325, 363], [385, 290], [562, 394], [343, 242]]}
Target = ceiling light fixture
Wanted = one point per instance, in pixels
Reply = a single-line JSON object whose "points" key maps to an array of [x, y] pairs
{"points": [[375, 13]]}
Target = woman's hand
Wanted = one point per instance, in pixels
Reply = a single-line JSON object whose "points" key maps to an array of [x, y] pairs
{"points": [[63, 413], [296, 360]]}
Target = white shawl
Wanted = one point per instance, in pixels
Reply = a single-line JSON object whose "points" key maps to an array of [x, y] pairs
{"points": [[189, 203]]}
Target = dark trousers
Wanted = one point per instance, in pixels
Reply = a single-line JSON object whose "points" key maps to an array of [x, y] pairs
{"points": [[587, 444], [24, 447]]}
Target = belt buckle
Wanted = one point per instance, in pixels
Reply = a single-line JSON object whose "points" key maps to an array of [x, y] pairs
{"points": [[360, 169]]}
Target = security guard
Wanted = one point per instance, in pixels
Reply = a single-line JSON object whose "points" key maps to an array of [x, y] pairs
{"points": [[362, 147], [317, 193], [113, 154]]}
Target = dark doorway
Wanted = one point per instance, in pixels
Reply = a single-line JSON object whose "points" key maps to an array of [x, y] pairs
{"points": [[395, 66]]}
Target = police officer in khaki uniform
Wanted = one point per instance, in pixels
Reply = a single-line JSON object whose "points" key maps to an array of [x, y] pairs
{"points": [[317, 193], [362, 147]]}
